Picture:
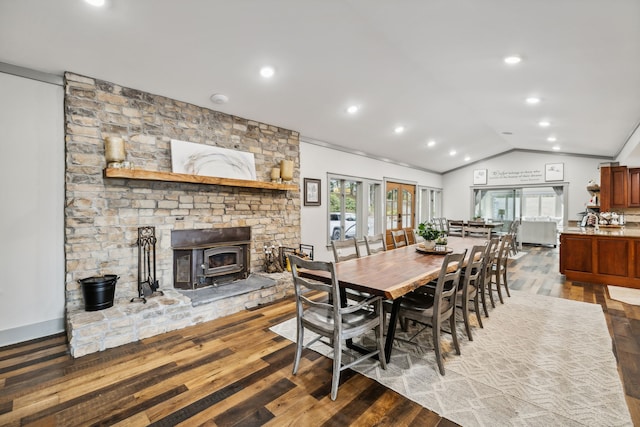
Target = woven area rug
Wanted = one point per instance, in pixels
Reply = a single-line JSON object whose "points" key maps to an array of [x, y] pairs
{"points": [[538, 361], [628, 295], [519, 255]]}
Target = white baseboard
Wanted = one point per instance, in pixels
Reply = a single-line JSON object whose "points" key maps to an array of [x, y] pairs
{"points": [[29, 332]]}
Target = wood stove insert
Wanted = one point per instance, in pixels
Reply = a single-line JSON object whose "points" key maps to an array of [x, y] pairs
{"points": [[205, 257]]}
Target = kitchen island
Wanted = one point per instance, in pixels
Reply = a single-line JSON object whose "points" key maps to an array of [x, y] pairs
{"points": [[609, 256]]}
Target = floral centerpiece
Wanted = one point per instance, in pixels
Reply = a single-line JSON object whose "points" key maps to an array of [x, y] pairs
{"points": [[430, 234]]}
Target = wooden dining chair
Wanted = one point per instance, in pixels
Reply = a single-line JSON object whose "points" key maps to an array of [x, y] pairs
{"points": [[332, 318], [499, 269], [344, 250], [477, 229], [417, 238], [434, 307], [469, 288], [513, 232], [399, 238], [375, 243], [491, 253], [455, 228]]}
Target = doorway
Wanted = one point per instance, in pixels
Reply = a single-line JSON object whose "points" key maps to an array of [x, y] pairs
{"points": [[529, 203], [400, 209]]}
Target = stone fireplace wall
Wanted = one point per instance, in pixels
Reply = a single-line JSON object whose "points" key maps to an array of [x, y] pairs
{"points": [[102, 215]]}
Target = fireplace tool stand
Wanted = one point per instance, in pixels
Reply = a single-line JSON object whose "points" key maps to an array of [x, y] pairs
{"points": [[147, 283]]}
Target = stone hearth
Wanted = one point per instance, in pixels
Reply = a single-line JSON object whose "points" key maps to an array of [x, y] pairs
{"points": [[125, 322]]}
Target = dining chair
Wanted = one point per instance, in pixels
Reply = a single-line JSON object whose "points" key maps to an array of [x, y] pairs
{"points": [[362, 247], [485, 284], [344, 250], [499, 269], [399, 238], [455, 228], [333, 317], [433, 307], [469, 288], [416, 237], [375, 243], [444, 225], [477, 229], [440, 223], [513, 232]]}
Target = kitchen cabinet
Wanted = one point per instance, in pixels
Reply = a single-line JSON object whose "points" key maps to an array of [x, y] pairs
{"points": [[614, 188], [634, 188], [608, 256]]}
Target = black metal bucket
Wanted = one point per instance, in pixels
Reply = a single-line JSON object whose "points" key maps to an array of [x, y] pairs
{"points": [[98, 291]]}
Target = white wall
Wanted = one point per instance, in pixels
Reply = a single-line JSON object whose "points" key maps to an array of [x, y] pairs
{"points": [[31, 218], [317, 161], [517, 169]]}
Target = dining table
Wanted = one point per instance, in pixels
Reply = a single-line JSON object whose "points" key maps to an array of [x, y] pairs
{"points": [[392, 274]]}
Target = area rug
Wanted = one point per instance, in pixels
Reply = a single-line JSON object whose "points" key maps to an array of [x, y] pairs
{"points": [[538, 361], [519, 255], [628, 295]]}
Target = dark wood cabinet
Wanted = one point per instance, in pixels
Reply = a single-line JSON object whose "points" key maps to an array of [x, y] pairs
{"points": [[634, 188], [600, 258], [614, 188]]}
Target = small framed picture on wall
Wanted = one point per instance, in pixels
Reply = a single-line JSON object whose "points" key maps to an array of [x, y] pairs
{"points": [[480, 177], [311, 192], [554, 172]]}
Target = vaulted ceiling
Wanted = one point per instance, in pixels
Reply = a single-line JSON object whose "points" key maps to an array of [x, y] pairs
{"points": [[435, 67]]}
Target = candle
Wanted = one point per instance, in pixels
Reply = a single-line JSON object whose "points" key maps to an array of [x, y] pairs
{"points": [[114, 149], [286, 170], [275, 174]]}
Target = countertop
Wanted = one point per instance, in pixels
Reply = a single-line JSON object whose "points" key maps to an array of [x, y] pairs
{"points": [[611, 232]]}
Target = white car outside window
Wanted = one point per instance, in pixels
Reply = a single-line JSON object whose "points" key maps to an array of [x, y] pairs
{"points": [[334, 225]]}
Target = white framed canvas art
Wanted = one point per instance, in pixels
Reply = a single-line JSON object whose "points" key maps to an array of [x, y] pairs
{"points": [[554, 172], [206, 160], [479, 177]]}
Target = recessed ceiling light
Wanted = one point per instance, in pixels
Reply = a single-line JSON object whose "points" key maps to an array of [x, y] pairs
{"points": [[507, 133], [97, 3], [431, 143], [219, 98], [467, 158], [452, 152], [555, 147], [512, 60], [267, 72], [552, 139], [353, 109], [544, 123], [399, 129], [533, 100]]}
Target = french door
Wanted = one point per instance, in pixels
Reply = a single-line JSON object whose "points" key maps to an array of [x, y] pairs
{"points": [[399, 209]]}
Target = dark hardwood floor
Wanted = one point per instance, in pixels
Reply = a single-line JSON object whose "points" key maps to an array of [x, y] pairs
{"points": [[234, 371]]}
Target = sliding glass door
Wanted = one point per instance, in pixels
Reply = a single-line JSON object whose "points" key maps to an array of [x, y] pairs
{"points": [[529, 203]]}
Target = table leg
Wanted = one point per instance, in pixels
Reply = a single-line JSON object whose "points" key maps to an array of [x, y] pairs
{"points": [[391, 330]]}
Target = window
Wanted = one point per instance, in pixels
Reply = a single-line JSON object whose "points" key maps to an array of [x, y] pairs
{"points": [[430, 204], [353, 207]]}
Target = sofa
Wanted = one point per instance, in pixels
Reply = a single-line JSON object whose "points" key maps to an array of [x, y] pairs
{"points": [[538, 233]]}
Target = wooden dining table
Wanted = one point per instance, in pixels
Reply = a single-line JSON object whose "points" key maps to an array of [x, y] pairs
{"points": [[392, 274]]}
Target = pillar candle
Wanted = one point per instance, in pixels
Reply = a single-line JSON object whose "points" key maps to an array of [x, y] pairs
{"points": [[114, 149], [286, 170], [275, 174]]}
